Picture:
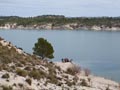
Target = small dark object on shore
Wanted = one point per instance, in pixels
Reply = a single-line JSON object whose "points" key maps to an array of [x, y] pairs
{"points": [[66, 60]]}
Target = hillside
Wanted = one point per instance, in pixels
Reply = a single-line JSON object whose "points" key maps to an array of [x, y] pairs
{"points": [[22, 71], [59, 22]]}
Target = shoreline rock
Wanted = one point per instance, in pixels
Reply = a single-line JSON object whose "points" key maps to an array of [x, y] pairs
{"points": [[49, 26]]}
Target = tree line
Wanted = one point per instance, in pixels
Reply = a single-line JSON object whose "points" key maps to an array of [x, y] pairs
{"points": [[60, 20]]}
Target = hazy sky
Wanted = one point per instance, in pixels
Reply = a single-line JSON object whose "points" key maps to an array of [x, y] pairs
{"points": [[61, 7]]}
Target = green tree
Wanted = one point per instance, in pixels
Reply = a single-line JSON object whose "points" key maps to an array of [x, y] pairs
{"points": [[43, 49]]}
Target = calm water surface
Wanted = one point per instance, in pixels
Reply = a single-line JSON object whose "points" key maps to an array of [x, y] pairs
{"points": [[98, 51]]}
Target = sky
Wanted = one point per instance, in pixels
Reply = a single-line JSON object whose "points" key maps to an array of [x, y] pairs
{"points": [[68, 8]]}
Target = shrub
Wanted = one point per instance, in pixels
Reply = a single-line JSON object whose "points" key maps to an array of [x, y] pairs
{"points": [[38, 84], [5, 76], [34, 74], [52, 79], [7, 88], [52, 74], [5, 67], [1, 68], [7, 80], [74, 70], [5, 59], [84, 83], [21, 72], [107, 88], [70, 71], [14, 84], [68, 83], [13, 67], [27, 68], [87, 72], [29, 81], [65, 76], [20, 85], [75, 79], [58, 68], [60, 84], [89, 79], [52, 71], [18, 65], [37, 74], [23, 62]]}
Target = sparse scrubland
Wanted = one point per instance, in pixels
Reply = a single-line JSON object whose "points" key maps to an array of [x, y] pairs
{"points": [[22, 71]]}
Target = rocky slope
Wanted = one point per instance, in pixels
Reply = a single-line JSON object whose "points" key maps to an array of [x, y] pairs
{"points": [[22, 71]]}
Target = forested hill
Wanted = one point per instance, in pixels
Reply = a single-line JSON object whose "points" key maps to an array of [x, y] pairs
{"points": [[59, 22]]}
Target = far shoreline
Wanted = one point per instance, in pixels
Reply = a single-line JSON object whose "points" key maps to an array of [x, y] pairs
{"points": [[60, 22], [24, 29]]}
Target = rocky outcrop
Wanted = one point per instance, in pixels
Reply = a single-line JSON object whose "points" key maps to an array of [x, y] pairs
{"points": [[69, 26], [22, 71]]}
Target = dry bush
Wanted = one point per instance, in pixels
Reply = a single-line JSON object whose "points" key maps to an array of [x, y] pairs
{"points": [[20, 85], [6, 75], [84, 83], [87, 72], [7, 88], [52, 79], [37, 74], [21, 72], [29, 81], [74, 70]]}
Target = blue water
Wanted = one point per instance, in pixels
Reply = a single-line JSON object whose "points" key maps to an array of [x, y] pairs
{"points": [[98, 51]]}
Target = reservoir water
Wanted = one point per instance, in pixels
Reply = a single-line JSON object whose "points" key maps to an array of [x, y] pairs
{"points": [[97, 50]]}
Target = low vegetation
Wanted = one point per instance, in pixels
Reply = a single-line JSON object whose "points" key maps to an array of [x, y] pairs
{"points": [[6, 75], [74, 70], [7, 88], [58, 20], [29, 81], [21, 72], [84, 83], [87, 72], [37, 74]]}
